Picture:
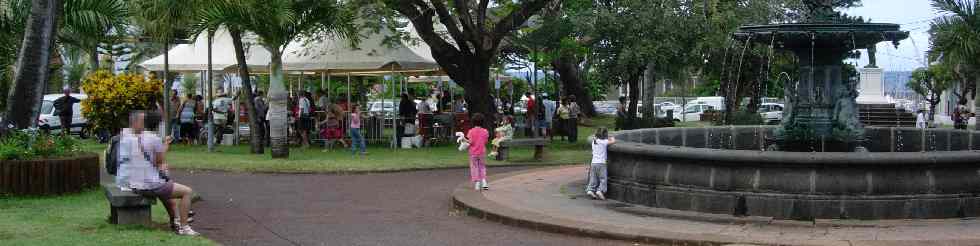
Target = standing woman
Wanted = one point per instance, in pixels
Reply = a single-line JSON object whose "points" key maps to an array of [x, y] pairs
{"points": [[563, 117], [407, 112], [357, 140], [573, 113], [174, 121]]}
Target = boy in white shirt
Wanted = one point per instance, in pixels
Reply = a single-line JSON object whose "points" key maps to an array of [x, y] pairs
{"points": [[597, 170]]}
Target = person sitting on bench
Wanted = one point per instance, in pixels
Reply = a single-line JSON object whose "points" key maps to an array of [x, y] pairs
{"points": [[502, 133], [142, 169]]}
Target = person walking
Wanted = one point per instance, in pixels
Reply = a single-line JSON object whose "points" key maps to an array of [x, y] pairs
{"points": [[64, 108], [597, 170], [477, 137], [406, 112], [357, 140], [531, 116], [174, 116]]}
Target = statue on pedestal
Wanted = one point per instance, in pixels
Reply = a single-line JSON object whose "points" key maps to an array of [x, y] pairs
{"points": [[872, 59]]}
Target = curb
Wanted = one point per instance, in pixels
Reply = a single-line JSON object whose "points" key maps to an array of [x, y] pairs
{"points": [[473, 204]]}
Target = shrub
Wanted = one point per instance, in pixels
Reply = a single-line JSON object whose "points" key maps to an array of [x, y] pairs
{"points": [[32, 144], [112, 97]]}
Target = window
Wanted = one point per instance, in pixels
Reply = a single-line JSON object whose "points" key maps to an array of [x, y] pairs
{"points": [[47, 107]]}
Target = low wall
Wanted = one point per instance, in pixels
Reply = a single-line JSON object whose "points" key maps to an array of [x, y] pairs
{"points": [[48, 177], [724, 170]]}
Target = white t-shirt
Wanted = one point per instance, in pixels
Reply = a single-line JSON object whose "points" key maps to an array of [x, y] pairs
{"points": [[599, 150], [136, 151], [304, 105]]}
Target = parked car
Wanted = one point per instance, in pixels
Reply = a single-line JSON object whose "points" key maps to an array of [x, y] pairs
{"points": [[772, 113], [378, 108], [692, 112], [48, 121], [606, 107], [664, 106]]}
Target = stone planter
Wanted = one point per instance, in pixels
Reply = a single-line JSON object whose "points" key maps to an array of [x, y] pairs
{"points": [[49, 177]]}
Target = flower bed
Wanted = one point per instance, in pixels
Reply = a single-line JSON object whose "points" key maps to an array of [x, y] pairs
{"points": [[49, 176]]}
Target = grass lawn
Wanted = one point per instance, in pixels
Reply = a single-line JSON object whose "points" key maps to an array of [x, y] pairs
{"points": [[78, 219], [379, 158]]}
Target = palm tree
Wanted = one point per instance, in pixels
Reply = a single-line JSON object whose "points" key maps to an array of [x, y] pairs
{"points": [[33, 60], [224, 13], [278, 23], [90, 23], [165, 21], [955, 39]]}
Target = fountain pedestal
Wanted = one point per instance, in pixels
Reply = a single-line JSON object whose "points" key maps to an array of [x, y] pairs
{"points": [[872, 86]]}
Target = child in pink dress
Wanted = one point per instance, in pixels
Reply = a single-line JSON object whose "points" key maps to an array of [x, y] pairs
{"points": [[477, 137]]}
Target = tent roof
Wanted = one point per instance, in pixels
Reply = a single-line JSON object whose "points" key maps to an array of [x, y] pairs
{"points": [[327, 54], [193, 57]]}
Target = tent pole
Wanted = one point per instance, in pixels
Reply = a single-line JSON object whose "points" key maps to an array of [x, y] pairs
{"points": [[348, 93], [210, 99]]}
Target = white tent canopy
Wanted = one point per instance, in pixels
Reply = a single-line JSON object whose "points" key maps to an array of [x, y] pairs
{"points": [[371, 54], [194, 57], [327, 54]]}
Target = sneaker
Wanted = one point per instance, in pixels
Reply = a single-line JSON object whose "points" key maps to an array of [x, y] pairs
{"points": [[476, 185], [599, 194], [187, 231], [591, 194], [486, 186]]}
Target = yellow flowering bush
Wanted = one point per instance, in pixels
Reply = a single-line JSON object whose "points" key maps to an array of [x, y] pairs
{"points": [[111, 98]]}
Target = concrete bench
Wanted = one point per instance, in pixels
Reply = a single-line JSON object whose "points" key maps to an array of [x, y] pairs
{"points": [[127, 207], [538, 143]]}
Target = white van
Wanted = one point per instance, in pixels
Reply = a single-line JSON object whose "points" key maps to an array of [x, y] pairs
{"points": [[48, 121]]}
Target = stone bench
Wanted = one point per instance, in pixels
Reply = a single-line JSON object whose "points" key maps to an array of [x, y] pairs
{"points": [[538, 143], [127, 207]]}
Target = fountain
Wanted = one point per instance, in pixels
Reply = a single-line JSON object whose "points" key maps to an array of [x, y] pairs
{"points": [[821, 163]]}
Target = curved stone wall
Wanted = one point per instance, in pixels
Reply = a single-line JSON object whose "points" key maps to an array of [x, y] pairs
{"points": [[723, 170]]}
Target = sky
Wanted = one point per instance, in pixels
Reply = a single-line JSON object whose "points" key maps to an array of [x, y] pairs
{"points": [[914, 16]]}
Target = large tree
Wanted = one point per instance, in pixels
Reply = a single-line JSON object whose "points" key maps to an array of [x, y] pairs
{"points": [[475, 30], [278, 23], [31, 70], [930, 83]]}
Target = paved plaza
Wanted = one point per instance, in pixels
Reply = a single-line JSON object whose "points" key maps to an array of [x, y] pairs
{"points": [[406, 208], [551, 199]]}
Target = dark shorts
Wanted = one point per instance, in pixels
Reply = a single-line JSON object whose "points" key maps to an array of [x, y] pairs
{"points": [[188, 130], [305, 123], [165, 191]]}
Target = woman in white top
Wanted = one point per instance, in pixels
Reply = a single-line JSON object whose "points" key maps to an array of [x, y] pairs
{"points": [[920, 119], [142, 169]]}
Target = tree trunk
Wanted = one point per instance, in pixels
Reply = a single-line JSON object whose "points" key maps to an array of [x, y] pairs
{"points": [[33, 63], [476, 86], [633, 85], [93, 59], [256, 131], [649, 92], [167, 85], [572, 83], [278, 128]]}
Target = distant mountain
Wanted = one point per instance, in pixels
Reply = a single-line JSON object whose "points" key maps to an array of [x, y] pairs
{"points": [[895, 81]]}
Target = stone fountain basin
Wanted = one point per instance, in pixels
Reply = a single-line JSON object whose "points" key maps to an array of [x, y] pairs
{"points": [[908, 174]]}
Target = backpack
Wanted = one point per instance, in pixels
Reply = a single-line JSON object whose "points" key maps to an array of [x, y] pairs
{"points": [[112, 156]]}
